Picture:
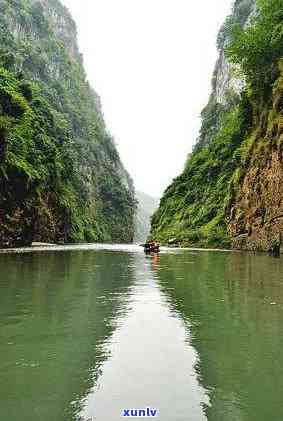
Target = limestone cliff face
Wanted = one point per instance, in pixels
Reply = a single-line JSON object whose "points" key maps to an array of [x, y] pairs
{"points": [[226, 82], [61, 177], [63, 25], [225, 79], [54, 18], [195, 208], [255, 218]]}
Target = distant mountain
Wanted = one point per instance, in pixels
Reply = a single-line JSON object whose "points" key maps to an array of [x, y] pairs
{"points": [[146, 207]]}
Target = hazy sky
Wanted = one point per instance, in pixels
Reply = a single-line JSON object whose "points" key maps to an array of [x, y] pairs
{"points": [[151, 62]]}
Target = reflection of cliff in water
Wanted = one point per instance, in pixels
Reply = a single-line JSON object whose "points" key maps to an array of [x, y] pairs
{"points": [[56, 335], [232, 306]]}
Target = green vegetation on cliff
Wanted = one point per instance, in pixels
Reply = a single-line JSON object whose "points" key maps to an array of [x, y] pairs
{"points": [[61, 178], [238, 134], [193, 207]]}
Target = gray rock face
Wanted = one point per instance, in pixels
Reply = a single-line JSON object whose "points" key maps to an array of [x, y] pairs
{"points": [[227, 84], [62, 24], [225, 80]]}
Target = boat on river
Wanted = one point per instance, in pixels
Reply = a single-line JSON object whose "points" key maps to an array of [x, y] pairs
{"points": [[151, 247]]}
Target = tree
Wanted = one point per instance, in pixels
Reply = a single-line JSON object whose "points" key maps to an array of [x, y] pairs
{"points": [[258, 47]]}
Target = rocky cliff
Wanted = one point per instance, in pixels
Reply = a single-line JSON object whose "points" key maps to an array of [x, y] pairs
{"points": [[255, 215], [61, 178], [230, 192]]}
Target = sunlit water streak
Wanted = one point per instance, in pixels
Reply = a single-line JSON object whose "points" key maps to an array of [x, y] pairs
{"points": [[149, 357]]}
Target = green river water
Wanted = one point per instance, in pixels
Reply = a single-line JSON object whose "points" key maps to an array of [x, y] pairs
{"points": [[88, 331]]}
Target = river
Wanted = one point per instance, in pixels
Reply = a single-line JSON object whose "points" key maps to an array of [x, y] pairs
{"points": [[89, 332]]}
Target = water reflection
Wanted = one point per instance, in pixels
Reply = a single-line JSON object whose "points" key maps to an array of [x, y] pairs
{"points": [[232, 306], [151, 365], [57, 313], [84, 334]]}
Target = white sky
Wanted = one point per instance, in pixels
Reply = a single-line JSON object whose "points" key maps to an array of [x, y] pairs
{"points": [[151, 62]]}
